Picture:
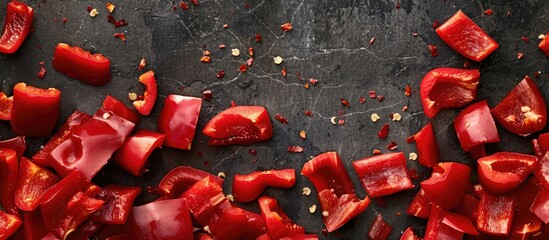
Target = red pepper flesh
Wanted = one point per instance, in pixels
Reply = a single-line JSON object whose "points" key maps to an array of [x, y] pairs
{"points": [[420, 206], [340, 209], [278, 224], [540, 206], [18, 144], [409, 234], [118, 204], [6, 104], [541, 172], [8, 180], [33, 225], [33, 182], [247, 188], [495, 214], [179, 179], [117, 107], [379, 230], [9, 223], [544, 45], [326, 171], [93, 69], [137, 148], [475, 126], [447, 175], [504, 171], [17, 26], [171, 221], [525, 222], [77, 210], [178, 120], [151, 90], [427, 146]]}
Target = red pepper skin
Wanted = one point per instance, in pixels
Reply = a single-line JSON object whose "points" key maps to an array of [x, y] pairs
{"points": [[78, 209], [544, 46], [504, 171], [171, 220], [6, 104], [525, 222], [179, 179], [9, 224], [300, 237], [33, 182], [278, 224], [77, 118], [84, 231], [17, 26], [118, 204], [384, 174], [326, 171], [239, 125], [541, 172], [135, 151], [33, 225], [447, 175], [341, 209], [95, 141], [475, 126], [427, 146], [420, 206], [117, 107], [495, 214], [203, 197], [178, 120], [409, 234], [523, 110], [35, 110], [444, 88], [541, 145], [145, 106], [247, 188], [379, 229], [8, 180], [466, 37], [93, 69], [540, 206], [468, 207]]}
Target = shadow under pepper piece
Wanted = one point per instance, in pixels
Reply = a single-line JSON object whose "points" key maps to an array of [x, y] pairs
{"points": [[17, 26], [35, 110]]}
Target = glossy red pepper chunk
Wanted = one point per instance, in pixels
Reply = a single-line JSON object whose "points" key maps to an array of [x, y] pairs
{"points": [[33, 225], [117, 107], [544, 45], [171, 220], [248, 187], [278, 224], [78, 209], [379, 229], [17, 26], [495, 214], [447, 225], [239, 125], [445, 176], [118, 204], [18, 144], [525, 223], [475, 126], [91, 145], [540, 206], [420, 206], [504, 171], [444, 88], [523, 110], [9, 223], [339, 209], [468, 207], [84, 231], [409, 234], [35, 110], [149, 96], [179, 179], [203, 197], [326, 171], [541, 172], [93, 69], [9, 168], [137, 148], [384, 174], [77, 118], [541, 145], [6, 104], [33, 182], [466, 37], [178, 120], [427, 146]]}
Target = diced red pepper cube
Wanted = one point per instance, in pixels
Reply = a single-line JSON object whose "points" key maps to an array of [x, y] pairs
{"points": [[379, 229], [178, 120], [171, 220], [495, 214], [137, 148], [427, 146], [118, 203]]}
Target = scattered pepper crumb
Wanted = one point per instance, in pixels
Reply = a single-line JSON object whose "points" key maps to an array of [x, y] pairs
{"points": [[313, 81], [295, 149], [220, 74], [303, 134], [286, 27], [225, 26], [110, 7], [42, 72], [434, 50], [205, 59], [142, 64], [278, 60], [250, 62], [258, 37], [375, 117], [235, 52], [392, 146], [132, 96], [408, 90], [251, 51], [121, 36], [341, 122], [306, 191], [221, 46], [230, 197], [376, 152], [520, 55], [344, 102], [243, 68], [488, 12], [435, 24], [412, 156], [195, 2], [372, 41], [361, 100], [312, 209], [380, 98], [65, 20], [325, 213], [184, 6], [221, 174], [396, 117], [281, 118], [283, 71]]}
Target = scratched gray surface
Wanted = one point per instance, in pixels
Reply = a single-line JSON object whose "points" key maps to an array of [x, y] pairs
{"points": [[329, 42]]}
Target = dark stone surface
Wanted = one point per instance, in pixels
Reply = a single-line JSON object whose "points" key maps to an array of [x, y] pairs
{"points": [[329, 42]]}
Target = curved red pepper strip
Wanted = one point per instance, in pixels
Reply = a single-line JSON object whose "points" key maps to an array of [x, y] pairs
{"points": [[179, 179], [135, 151], [504, 171], [427, 146], [447, 175], [247, 188], [149, 96], [33, 182], [278, 224], [475, 126], [9, 171], [17, 26], [178, 120], [93, 69]]}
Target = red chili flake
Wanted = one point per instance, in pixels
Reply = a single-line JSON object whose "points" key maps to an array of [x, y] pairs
{"points": [[281, 118], [488, 12], [220, 74], [392, 146], [90, 8], [42, 71], [362, 100], [233, 104], [308, 113], [250, 62], [434, 50], [206, 52], [398, 214], [408, 91], [298, 75], [520, 55], [372, 41], [252, 152], [120, 23], [345, 102], [120, 36], [525, 39], [142, 64], [405, 108], [435, 24], [380, 98], [341, 122], [199, 154], [206, 163], [207, 95], [195, 2], [246, 5], [258, 37], [205, 59], [414, 34], [324, 232], [384, 131], [397, 5], [251, 51], [466, 64], [243, 68], [225, 26], [283, 71], [313, 81], [341, 112], [372, 94], [509, 14], [295, 149], [376, 152], [65, 20], [413, 173], [286, 27], [306, 86], [174, 7], [410, 139], [39, 47], [537, 74], [221, 46], [184, 6], [381, 202]]}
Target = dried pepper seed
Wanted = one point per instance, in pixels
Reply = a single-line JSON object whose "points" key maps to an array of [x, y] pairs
{"points": [[412, 156], [235, 52], [376, 152], [278, 60], [303, 134], [375, 117], [110, 7], [306, 191], [525, 39]]}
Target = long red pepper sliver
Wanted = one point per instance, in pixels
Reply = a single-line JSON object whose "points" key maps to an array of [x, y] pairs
{"points": [[308, 113], [410, 139], [313, 81], [283, 71], [384, 131], [42, 72], [195, 2], [281, 118], [298, 75], [372, 40]]}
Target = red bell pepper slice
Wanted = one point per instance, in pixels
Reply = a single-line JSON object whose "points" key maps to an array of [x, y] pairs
{"points": [[466, 37], [504, 171], [540, 206], [468, 207], [525, 223], [6, 104], [495, 214], [203, 197], [444, 88], [179, 179], [78, 209], [247, 188], [91, 145], [118, 203], [33, 225], [178, 120], [278, 224], [8, 180], [149, 96], [35, 110], [162, 220], [379, 229], [9, 223], [93, 69], [541, 145], [137, 148], [541, 172], [118, 108], [16, 143], [447, 175], [409, 234], [384, 174], [77, 118], [544, 45], [420, 206], [427, 146], [239, 125], [446, 225], [33, 182], [475, 126], [84, 231], [523, 110], [326, 171], [340, 209], [17, 26]]}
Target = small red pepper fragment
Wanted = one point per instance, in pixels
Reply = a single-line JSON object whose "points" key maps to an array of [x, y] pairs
{"points": [[466, 37], [283, 71], [35, 110], [278, 224], [207, 95], [171, 220], [33, 182], [184, 6], [372, 40], [286, 27], [178, 120], [258, 37], [384, 131], [488, 12], [447, 175], [520, 55], [118, 203], [195, 2], [383, 175], [504, 171], [435, 24], [409, 234], [427, 146], [540, 206], [337, 211], [117, 107], [17, 26], [9, 168], [420, 206], [525, 39], [408, 91], [434, 50], [247, 188], [93, 69], [361, 100], [42, 72], [379, 230], [295, 149], [121, 36], [6, 104], [18, 144], [544, 45], [145, 106], [372, 94], [220, 74], [243, 68], [444, 88], [344, 102], [179, 179], [475, 126], [136, 149], [523, 110], [495, 214], [9, 223], [141, 64], [541, 172]]}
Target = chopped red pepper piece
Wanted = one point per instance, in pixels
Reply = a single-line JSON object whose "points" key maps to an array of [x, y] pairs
{"points": [[117, 107], [17, 26], [178, 120], [447, 225], [523, 111], [171, 220], [207, 95], [379, 230], [383, 175], [35, 110], [286, 27], [16, 143], [504, 171], [475, 126], [384, 131], [295, 149], [78, 209], [420, 206], [42, 72], [544, 45], [145, 106], [495, 214], [540, 206], [336, 211], [240, 125], [137, 148], [326, 171], [6, 104], [466, 37], [427, 146], [541, 172], [525, 223], [9, 223], [118, 203], [278, 224], [434, 50], [179, 179], [33, 182], [33, 225], [93, 69], [247, 188], [444, 88], [409, 235], [447, 175], [8, 180]]}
